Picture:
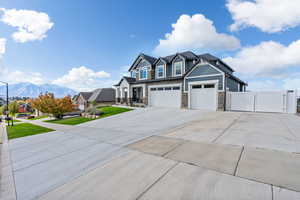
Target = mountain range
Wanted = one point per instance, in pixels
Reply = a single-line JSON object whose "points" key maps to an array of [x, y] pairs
{"points": [[33, 90]]}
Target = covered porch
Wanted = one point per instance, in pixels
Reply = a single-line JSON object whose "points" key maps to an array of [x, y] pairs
{"points": [[132, 95]]}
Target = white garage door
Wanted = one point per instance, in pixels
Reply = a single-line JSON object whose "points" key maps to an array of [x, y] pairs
{"points": [[165, 96], [203, 96]]}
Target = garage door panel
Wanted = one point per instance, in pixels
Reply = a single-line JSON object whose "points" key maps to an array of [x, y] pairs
{"points": [[203, 99], [170, 96], [203, 96]]}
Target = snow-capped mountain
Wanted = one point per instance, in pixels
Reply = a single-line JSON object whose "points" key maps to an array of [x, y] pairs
{"points": [[32, 90]]}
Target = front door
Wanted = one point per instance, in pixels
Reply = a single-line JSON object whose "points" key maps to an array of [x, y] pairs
{"points": [[137, 94]]}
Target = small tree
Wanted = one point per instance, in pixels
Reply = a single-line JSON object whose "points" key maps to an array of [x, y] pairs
{"points": [[13, 108], [2, 110], [47, 103], [94, 103]]}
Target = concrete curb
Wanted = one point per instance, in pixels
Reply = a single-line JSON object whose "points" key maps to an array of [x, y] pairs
{"points": [[7, 183]]}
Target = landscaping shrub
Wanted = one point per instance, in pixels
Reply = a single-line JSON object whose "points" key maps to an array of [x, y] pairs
{"points": [[94, 111]]}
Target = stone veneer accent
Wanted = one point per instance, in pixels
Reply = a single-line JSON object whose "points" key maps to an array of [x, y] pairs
{"points": [[184, 100], [221, 101]]}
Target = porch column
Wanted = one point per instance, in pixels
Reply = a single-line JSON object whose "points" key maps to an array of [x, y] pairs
{"points": [[117, 94]]}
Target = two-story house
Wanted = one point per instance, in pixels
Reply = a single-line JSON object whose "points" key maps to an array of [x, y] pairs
{"points": [[182, 80]]}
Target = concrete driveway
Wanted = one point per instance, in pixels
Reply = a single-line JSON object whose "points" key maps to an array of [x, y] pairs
{"points": [[260, 130], [43, 162], [163, 154]]}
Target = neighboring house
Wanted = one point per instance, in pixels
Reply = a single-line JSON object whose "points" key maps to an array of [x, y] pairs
{"points": [[24, 108], [98, 97], [182, 80]]}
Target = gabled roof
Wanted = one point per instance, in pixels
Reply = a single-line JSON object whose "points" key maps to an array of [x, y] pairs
{"points": [[237, 79], [86, 95], [188, 55], [210, 57], [102, 94], [128, 79], [227, 74], [150, 59]]}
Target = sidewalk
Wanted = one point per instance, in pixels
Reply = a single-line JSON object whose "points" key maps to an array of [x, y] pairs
{"points": [[7, 184], [57, 127]]}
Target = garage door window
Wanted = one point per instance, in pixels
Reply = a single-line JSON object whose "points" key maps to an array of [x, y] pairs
{"points": [[160, 88], [209, 86], [153, 89], [196, 86], [176, 88], [168, 88]]}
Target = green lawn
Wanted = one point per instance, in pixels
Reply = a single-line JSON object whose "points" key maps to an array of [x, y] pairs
{"points": [[110, 110], [107, 111], [39, 117], [70, 121], [25, 129]]}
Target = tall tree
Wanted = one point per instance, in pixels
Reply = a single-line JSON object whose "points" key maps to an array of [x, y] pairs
{"points": [[13, 108], [47, 103]]}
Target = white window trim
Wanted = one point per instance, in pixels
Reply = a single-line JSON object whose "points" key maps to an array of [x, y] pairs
{"points": [[143, 68], [182, 65], [164, 72], [174, 70], [216, 82], [135, 72]]}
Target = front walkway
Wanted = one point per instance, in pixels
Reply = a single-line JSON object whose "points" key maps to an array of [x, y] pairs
{"points": [[57, 127]]}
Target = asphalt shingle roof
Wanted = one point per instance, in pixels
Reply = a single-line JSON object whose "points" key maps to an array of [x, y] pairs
{"points": [[103, 95], [86, 95]]}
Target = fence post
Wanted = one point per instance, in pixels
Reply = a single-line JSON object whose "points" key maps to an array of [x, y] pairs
{"points": [[254, 102]]}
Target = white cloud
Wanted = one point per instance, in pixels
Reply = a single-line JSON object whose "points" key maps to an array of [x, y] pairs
{"points": [[267, 15], [31, 25], [265, 58], [20, 77], [274, 85], [290, 84], [2, 46], [84, 79], [194, 33], [264, 85]]}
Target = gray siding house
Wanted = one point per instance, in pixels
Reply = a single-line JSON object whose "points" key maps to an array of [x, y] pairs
{"points": [[99, 97], [182, 80]]}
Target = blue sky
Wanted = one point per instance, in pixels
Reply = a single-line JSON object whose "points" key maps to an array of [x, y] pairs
{"points": [[84, 45]]}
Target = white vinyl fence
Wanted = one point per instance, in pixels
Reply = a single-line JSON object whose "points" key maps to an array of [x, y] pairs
{"points": [[279, 101]]}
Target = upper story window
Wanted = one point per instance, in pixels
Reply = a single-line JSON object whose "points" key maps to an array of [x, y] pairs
{"points": [[178, 68], [160, 71], [144, 73], [133, 74]]}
